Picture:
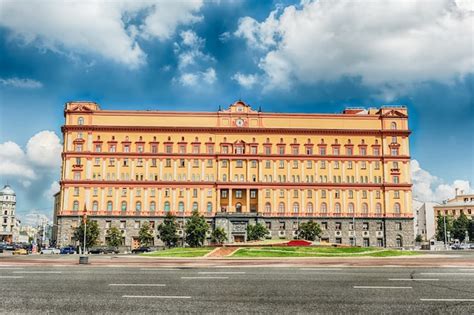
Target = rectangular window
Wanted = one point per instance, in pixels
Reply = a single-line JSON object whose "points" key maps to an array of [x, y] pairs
{"points": [[363, 151], [267, 164], [348, 151], [309, 151], [169, 148], [295, 164], [253, 194], [195, 193], [196, 149], [349, 165], [322, 151], [324, 226], [336, 165], [224, 163], [239, 163], [309, 164], [376, 151], [254, 164], [335, 151], [238, 194], [363, 165], [140, 148], [195, 163], [295, 193], [267, 193], [126, 148], [168, 163], [281, 150], [338, 226], [224, 194], [323, 164], [113, 148], [77, 175], [268, 150], [396, 194], [225, 149], [295, 151], [323, 193], [122, 224], [394, 151], [210, 149], [253, 150], [365, 226], [209, 163]]}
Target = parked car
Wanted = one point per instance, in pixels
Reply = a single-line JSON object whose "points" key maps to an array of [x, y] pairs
{"points": [[1, 248], [67, 250], [9, 247], [143, 249], [20, 251], [50, 250], [103, 250]]}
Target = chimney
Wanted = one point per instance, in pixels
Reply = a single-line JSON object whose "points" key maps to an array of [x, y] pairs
{"points": [[456, 192]]}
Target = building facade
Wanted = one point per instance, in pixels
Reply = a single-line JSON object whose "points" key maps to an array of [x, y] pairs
{"points": [[425, 223], [9, 224], [461, 203], [238, 166]]}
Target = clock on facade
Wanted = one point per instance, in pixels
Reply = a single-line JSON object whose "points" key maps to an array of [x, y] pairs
{"points": [[239, 122]]}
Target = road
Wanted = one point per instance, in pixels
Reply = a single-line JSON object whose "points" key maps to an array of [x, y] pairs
{"points": [[115, 289]]}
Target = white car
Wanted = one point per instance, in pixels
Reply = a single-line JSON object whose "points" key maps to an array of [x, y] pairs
{"points": [[50, 251]]}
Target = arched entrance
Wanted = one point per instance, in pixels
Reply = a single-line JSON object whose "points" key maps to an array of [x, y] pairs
{"points": [[238, 207]]}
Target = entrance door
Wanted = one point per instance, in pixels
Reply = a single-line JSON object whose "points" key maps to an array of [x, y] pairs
{"points": [[238, 207], [239, 238], [135, 243]]}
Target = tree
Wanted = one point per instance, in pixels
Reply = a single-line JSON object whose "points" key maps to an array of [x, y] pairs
{"points": [[218, 236], [309, 230], [114, 237], [419, 238], [256, 232], [145, 235], [471, 230], [92, 233], [440, 227], [196, 229], [460, 226], [168, 231]]}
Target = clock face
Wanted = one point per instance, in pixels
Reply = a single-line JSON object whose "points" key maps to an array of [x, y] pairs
{"points": [[239, 122]]}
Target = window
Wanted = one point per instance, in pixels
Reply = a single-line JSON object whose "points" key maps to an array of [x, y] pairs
{"points": [[95, 206], [181, 206], [109, 205], [296, 207], [295, 164], [80, 121], [268, 150], [335, 151], [253, 150], [195, 206], [281, 150], [363, 165], [268, 207], [138, 206], [393, 126], [322, 151], [336, 165], [394, 151], [379, 226], [349, 165], [224, 194], [363, 151], [348, 151], [309, 207], [324, 226], [123, 224], [398, 226], [253, 194], [75, 205], [351, 194], [365, 226], [124, 206], [167, 206], [239, 163], [376, 151], [254, 164], [309, 151], [107, 224], [378, 208], [365, 208], [267, 164], [324, 207], [238, 194], [338, 226], [225, 149], [281, 207], [337, 208], [350, 207], [396, 208], [323, 193], [209, 207], [323, 164], [152, 206], [169, 148]]}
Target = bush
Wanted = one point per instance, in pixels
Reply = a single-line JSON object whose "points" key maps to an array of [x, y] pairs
{"points": [[256, 232]]}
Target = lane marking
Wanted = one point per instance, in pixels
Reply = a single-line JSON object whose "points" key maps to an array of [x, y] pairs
{"points": [[221, 272], [320, 269], [466, 269], [449, 300], [204, 277], [448, 273], [38, 272], [11, 277], [137, 284], [159, 269], [379, 287], [11, 268], [156, 296], [413, 279]]}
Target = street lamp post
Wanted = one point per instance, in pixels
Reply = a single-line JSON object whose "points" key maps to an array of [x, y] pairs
{"points": [[445, 235]]}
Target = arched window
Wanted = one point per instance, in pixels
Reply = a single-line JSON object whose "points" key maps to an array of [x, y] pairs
{"points": [[309, 207], [365, 208], [181, 206], [378, 208], [95, 205], [268, 207], [337, 208], [109, 205], [167, 206], [209, 206], [195, 206], [296, 207], [124, 206], [324, 207], [350, 207], [80, 121], [399, 241], [152, 206], [138, 206], [75, 205], [393, 126], [224, 178], [281, 207], [396, 208]]}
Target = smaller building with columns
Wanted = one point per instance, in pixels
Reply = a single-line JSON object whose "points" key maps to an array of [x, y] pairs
{"points": [[9, 224]]}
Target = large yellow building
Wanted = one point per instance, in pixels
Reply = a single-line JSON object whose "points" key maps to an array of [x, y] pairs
{"points": [[239, 166]]}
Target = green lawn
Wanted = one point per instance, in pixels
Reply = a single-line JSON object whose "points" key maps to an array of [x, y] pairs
{"points": [[180, 252], [319, 252]]}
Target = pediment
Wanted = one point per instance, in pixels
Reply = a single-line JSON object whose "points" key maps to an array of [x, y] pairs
{"points": [[394, 113]]}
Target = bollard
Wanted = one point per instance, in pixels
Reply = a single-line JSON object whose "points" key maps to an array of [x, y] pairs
{"points": [[83, 260]]}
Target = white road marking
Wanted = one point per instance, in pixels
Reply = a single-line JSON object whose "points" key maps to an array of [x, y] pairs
{"points": [[449, 300], [448, 273], [204, 277], [137, 284], [159, 269], [11, 268], [11, 277], [413, 279], [39, 272], [466, 269], [379, 287], [320, 269], [221, 272], [156, 296]]}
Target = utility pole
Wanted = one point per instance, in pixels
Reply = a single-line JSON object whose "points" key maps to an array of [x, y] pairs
{"points": [[445, 236], [354, 228]]}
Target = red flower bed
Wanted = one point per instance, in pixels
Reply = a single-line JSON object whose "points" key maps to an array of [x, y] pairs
{"points": [[298, 243]]}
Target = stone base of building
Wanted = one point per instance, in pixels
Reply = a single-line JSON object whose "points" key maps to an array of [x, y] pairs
{"points": [[378, 232]]}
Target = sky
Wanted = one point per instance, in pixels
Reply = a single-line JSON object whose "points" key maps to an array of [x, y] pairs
{"points": [[285, 56]]}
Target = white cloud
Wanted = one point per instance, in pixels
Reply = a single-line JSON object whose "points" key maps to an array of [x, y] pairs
{"points": [[51, 191], [427, 187], [13, 161], [44, 149], [109, 29], [245, 80], [389, 42], [21, 83], [193, 64]]}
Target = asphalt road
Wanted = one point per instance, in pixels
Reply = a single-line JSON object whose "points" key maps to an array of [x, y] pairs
{"points": [[116, 289]]}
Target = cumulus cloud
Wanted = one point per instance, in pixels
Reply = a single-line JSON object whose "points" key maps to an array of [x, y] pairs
{"points": [[105, 28], [21, 83], [194, 65], [428, 187], [51, 191], [245, 80], [13, 162], [44, 149], [389, 42]]}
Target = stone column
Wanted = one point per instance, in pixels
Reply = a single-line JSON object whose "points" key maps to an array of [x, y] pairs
{"points": [[229, 207], [247, 205]]}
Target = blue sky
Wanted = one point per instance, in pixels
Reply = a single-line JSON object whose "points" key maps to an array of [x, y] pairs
{"points": [[313, 56]]}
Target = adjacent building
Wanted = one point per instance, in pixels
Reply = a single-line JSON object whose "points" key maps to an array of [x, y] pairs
{"points": [[461, 203], [238, 166], [9, 224], [425, 222]]}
